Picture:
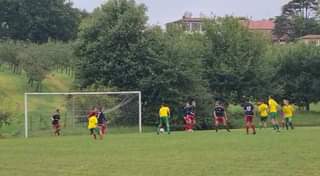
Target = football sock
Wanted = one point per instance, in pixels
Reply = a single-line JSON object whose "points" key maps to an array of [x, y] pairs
{"points": [[274, 127], [254, 129], [291, 125]]}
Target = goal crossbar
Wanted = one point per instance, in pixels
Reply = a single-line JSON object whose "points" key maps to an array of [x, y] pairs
{"points": [[77, 93]]}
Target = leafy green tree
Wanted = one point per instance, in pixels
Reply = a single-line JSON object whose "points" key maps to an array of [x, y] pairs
{"points": [[298, 18], [62, 55], [305, 8], [38, 20], [299, 73], [9, 54], [110, 44], [4, 118], [40, 60], [116, 49], [36, 64], [233, 59], [176, 72]]}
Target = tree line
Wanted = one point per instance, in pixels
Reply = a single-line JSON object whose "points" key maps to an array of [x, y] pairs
{"points": [[114, 47], [35, 60], [226, 61]]}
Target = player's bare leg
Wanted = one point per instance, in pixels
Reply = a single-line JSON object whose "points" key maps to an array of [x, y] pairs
{"points": [[275, 124], [216, 125], [101, 133], [226, 125]]}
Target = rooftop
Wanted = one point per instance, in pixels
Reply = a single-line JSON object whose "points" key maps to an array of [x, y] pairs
{"points": [[261, 24], [251, 24], [311, 37]]}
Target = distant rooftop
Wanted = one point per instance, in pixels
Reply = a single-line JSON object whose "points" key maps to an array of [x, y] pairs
{"points": [[261, 24], [251, 24], [311, 37]]}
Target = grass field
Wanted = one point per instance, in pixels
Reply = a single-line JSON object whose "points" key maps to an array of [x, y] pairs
{"points": [[289, 153]]}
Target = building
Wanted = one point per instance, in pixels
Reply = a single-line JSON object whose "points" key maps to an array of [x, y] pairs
{"points": [[191, 24], [263, 26], [188, 23], [311, 39]]}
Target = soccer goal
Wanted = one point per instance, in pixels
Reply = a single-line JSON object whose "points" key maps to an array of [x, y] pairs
{"points": [[122, 109]]}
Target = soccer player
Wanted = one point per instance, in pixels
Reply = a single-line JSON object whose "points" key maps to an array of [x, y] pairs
{"points": [[220, 116], [263, 113], [102, 123], [164, 114], [288, 112], [189, 117], [273, 109], [248, 116], [55, 122], [92, 124]]}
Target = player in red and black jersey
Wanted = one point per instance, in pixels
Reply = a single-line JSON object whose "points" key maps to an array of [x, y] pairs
{"points": [[248, 116], [220, 116], [102, 123], [189, 117], [55, 122]]}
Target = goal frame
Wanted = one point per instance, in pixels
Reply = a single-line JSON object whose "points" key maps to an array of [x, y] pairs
{"points": [[27, 94]]}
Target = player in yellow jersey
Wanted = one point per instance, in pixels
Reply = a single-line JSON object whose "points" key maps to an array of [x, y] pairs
{"points": [[273, 109], [263, 111], [92, 124], [164, 114], [288, 112]]}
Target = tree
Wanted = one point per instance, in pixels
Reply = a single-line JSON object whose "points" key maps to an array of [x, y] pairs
{"points": [[40, 60], [9, 54], [110, 42], [233, 59], [38, 20], [176, 72], [304, 8], [4, 119], [299, 73], [117, 49], [298, 18]]}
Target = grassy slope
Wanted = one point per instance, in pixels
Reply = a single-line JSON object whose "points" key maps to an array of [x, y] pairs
{"points": [[201, 153], [13, 87]]}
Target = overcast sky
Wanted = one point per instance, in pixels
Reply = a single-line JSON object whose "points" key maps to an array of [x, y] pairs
{"points": [[163, 11]]}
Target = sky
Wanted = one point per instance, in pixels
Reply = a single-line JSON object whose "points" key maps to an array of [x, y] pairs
{"points": [[164, 11]]}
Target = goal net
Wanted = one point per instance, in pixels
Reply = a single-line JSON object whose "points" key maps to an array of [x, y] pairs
{"points": [[122, 109]]}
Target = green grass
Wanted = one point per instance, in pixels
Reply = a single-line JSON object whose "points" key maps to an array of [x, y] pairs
{"points": [[315, 107], [13, 86], [12, 89], [189, 154], [307, 119]]}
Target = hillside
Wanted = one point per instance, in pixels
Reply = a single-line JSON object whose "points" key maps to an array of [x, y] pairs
{"points": [[12, 89]]}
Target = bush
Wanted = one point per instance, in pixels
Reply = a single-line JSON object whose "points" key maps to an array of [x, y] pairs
{"points": [[4, 119]]}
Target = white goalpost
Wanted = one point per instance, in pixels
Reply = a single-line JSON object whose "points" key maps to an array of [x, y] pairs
{"points": [[29, 94]]}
